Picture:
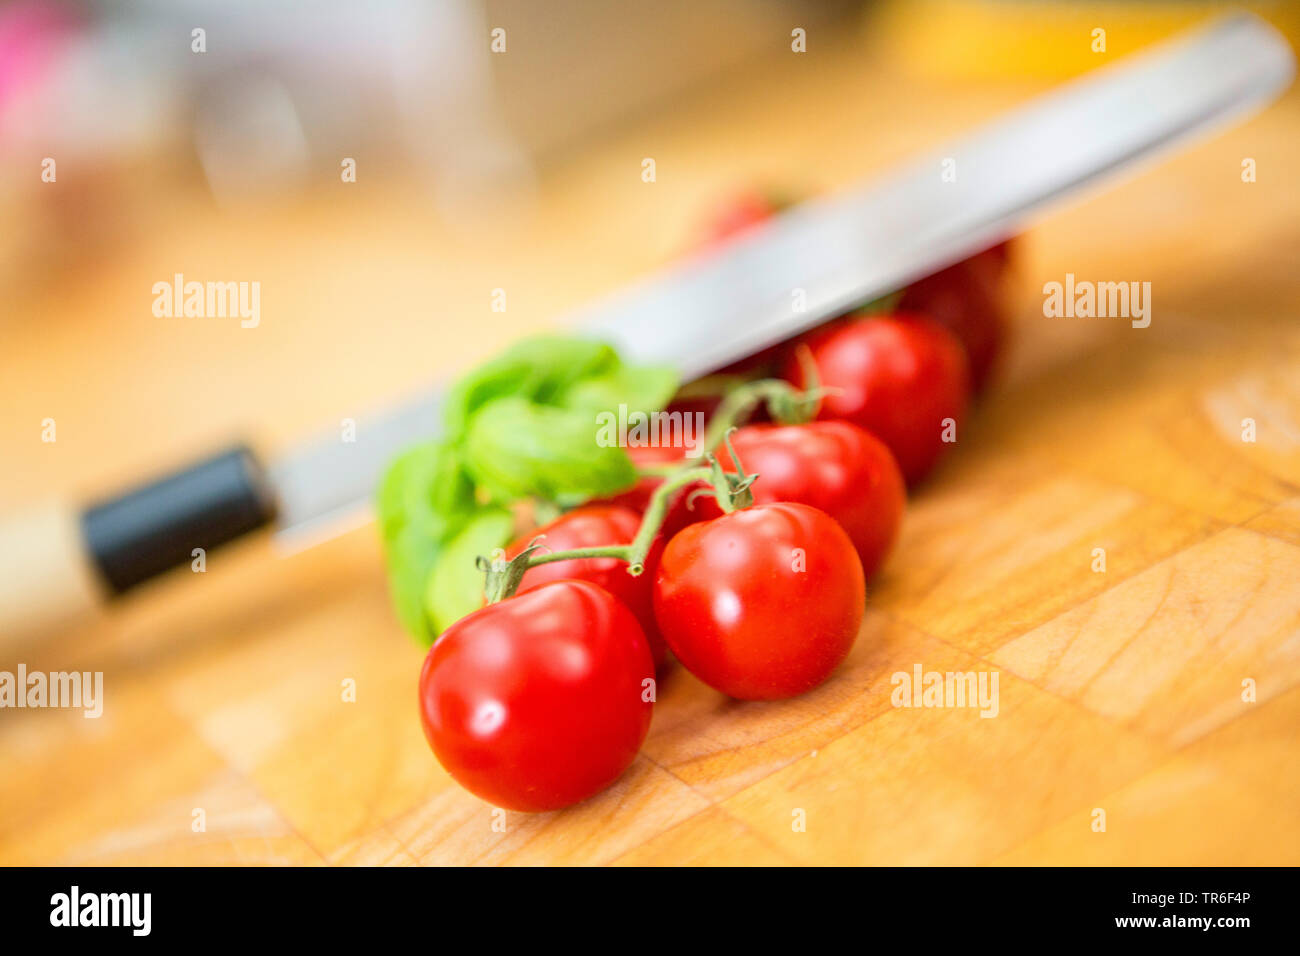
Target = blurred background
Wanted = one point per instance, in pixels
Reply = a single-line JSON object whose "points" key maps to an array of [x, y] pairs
{"points": [[381, 169], [214, 138]]}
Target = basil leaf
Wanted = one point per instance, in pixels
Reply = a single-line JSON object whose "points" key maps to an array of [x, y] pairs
{"points": [[410, 555], [453, 494], [537, 369], [645, 388], [424, 497], [455, 585], [516, 449], [405, 491]]}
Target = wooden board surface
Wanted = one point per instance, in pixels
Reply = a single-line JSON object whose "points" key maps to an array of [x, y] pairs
{"points": [[1119, 690]]}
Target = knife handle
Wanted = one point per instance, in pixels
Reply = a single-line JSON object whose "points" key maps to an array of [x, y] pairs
{"points": [[57, 562], [46, 577]]}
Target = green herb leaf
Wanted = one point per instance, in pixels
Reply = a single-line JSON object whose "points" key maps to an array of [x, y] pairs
{"points": [[515, 449], [646, 388], [405, 492], [410, 555], [413, 523], [538, 369], [455, 585]]}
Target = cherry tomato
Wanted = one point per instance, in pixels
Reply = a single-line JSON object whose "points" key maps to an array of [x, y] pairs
{"points": [[1002, 255], [898, 376], [536, 703], [592, 526], [738, 214], [835, 467], [967, 299], [763, 603]]}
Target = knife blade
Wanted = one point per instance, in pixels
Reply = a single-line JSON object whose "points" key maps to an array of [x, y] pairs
{"points": [[711, 310]]}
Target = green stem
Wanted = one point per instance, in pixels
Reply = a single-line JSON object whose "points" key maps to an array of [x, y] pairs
{"points": [[657, 510], [619, 551], [711, 386], [788, 405], [503, 577]]}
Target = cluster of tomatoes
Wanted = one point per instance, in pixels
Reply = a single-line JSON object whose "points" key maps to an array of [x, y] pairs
{"points": [[755, 578]]}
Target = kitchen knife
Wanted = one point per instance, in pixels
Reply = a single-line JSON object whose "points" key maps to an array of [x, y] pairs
{"points": [[806, 266]]}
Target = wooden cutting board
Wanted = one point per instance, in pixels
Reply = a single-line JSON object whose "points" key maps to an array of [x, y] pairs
{"points": [[1119, 690]]}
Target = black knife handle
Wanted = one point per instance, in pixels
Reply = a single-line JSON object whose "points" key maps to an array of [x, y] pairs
{"points": [[157, 526]]}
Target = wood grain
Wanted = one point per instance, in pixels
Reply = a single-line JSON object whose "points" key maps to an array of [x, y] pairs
{"points": [[1120, 690]]}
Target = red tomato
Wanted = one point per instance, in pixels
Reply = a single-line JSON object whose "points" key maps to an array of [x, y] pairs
{"points": [[763, 603], [536, 703], [835, 467], [898, 376], [1001, 254], [967, 299], [592, 526], [738, 214]]}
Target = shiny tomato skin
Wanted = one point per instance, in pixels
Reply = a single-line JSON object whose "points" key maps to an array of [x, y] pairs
{"points": [[835, 467], [898, 376], [536, 703], [750, 615], [967, 299], [593, 526]]}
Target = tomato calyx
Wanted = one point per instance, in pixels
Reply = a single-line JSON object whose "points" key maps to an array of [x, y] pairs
{"points": [[729, 489]]}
